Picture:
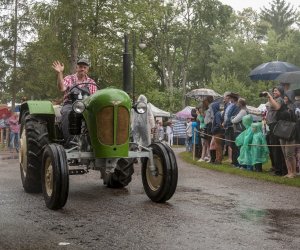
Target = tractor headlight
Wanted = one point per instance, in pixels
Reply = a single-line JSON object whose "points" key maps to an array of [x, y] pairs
{"points": [[78, 107], [140, 107]]}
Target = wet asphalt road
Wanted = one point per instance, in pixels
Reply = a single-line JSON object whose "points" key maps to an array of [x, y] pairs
{"points": [[210, 210]]}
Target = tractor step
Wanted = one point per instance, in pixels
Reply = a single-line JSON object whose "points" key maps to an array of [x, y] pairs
{"points": [[77, 171]]}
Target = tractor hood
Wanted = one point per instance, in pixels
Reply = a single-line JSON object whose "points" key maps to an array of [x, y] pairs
{"points": [[107, 116]]}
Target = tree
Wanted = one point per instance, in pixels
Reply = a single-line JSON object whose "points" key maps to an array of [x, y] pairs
{"points": [[14, 28], [212, 25], [280, 15], [286, 49], [242, 42]]}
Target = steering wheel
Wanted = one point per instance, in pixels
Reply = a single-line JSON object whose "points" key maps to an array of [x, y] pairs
{"points": [[83, 90]]}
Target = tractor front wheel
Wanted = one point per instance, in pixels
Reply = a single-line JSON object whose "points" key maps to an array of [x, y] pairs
{"points": [[161, 184], [55, 176]]}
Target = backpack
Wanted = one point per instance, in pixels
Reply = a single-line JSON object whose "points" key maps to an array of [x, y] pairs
{"points": [[239, 127]]}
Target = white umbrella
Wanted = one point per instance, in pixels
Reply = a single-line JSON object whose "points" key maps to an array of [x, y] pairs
{"points": [[202, 93]]}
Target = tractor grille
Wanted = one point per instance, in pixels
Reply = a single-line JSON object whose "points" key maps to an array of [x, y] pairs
{"points": [[105, 126], [122, 126]]}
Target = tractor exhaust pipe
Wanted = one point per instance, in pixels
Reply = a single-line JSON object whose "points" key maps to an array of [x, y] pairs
{"points": [[127, 85]]}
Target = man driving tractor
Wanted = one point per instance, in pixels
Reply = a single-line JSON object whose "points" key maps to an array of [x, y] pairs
{"points": [[64, 85]]}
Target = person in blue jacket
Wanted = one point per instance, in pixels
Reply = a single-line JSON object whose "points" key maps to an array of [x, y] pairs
{"points": [[195, 137]]}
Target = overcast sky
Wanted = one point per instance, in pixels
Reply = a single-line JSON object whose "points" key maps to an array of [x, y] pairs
{"points": [[255, 4]]}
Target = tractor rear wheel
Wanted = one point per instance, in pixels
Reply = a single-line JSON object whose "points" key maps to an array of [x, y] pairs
{"points": [[122, 175], [33, 139]]}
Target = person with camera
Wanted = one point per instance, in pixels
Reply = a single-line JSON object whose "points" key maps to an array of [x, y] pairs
{"points": [[64, 85], [276, 105]]}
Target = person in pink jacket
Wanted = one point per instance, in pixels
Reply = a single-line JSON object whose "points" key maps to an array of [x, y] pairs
{"points": [[14, 128]]}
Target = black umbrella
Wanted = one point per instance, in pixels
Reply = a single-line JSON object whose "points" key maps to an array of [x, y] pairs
{"points": [[271, 70], [292, 78], [289, 77]]}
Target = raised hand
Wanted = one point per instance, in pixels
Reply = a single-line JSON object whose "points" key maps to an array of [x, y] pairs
{"points": [[58, 66]]}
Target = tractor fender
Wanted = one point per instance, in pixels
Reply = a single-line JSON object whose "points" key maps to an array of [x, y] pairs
{"points": [[37, 107], [42, 109]]}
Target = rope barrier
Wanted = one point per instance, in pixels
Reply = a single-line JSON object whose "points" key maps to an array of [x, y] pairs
{"points": [[258, 145]]}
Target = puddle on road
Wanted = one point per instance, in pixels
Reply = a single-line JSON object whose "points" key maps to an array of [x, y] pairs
{"points": [[274, 215], [285, 221], [253, 214], [281, 221]]}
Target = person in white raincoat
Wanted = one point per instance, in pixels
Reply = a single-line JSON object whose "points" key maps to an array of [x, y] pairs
{"points": [[141, 124]]}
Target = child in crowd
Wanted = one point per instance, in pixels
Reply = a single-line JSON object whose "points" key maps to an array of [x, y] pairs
{"points": [[205, 155], [14, 127], [242, 141], [169, 131], [259, 149], [195, 138], [161, 131], [189, 134]]}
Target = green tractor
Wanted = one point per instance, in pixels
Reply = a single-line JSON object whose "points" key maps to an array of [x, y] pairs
{"points": [[100, 126]]}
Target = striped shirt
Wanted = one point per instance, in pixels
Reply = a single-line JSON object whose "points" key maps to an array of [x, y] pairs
{"points": [[72, 80]]}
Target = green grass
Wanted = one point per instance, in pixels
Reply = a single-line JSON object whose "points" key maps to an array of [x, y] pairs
{"points": [[227, 168]]}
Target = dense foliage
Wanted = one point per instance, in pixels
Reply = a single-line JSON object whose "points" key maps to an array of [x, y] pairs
{"points": [[189, 44]]}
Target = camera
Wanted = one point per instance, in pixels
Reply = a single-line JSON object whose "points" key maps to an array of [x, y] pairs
{"points": [[263, 94]]}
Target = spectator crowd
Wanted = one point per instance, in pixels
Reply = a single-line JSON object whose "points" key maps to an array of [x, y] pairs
{"points": [[224, 127]]}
